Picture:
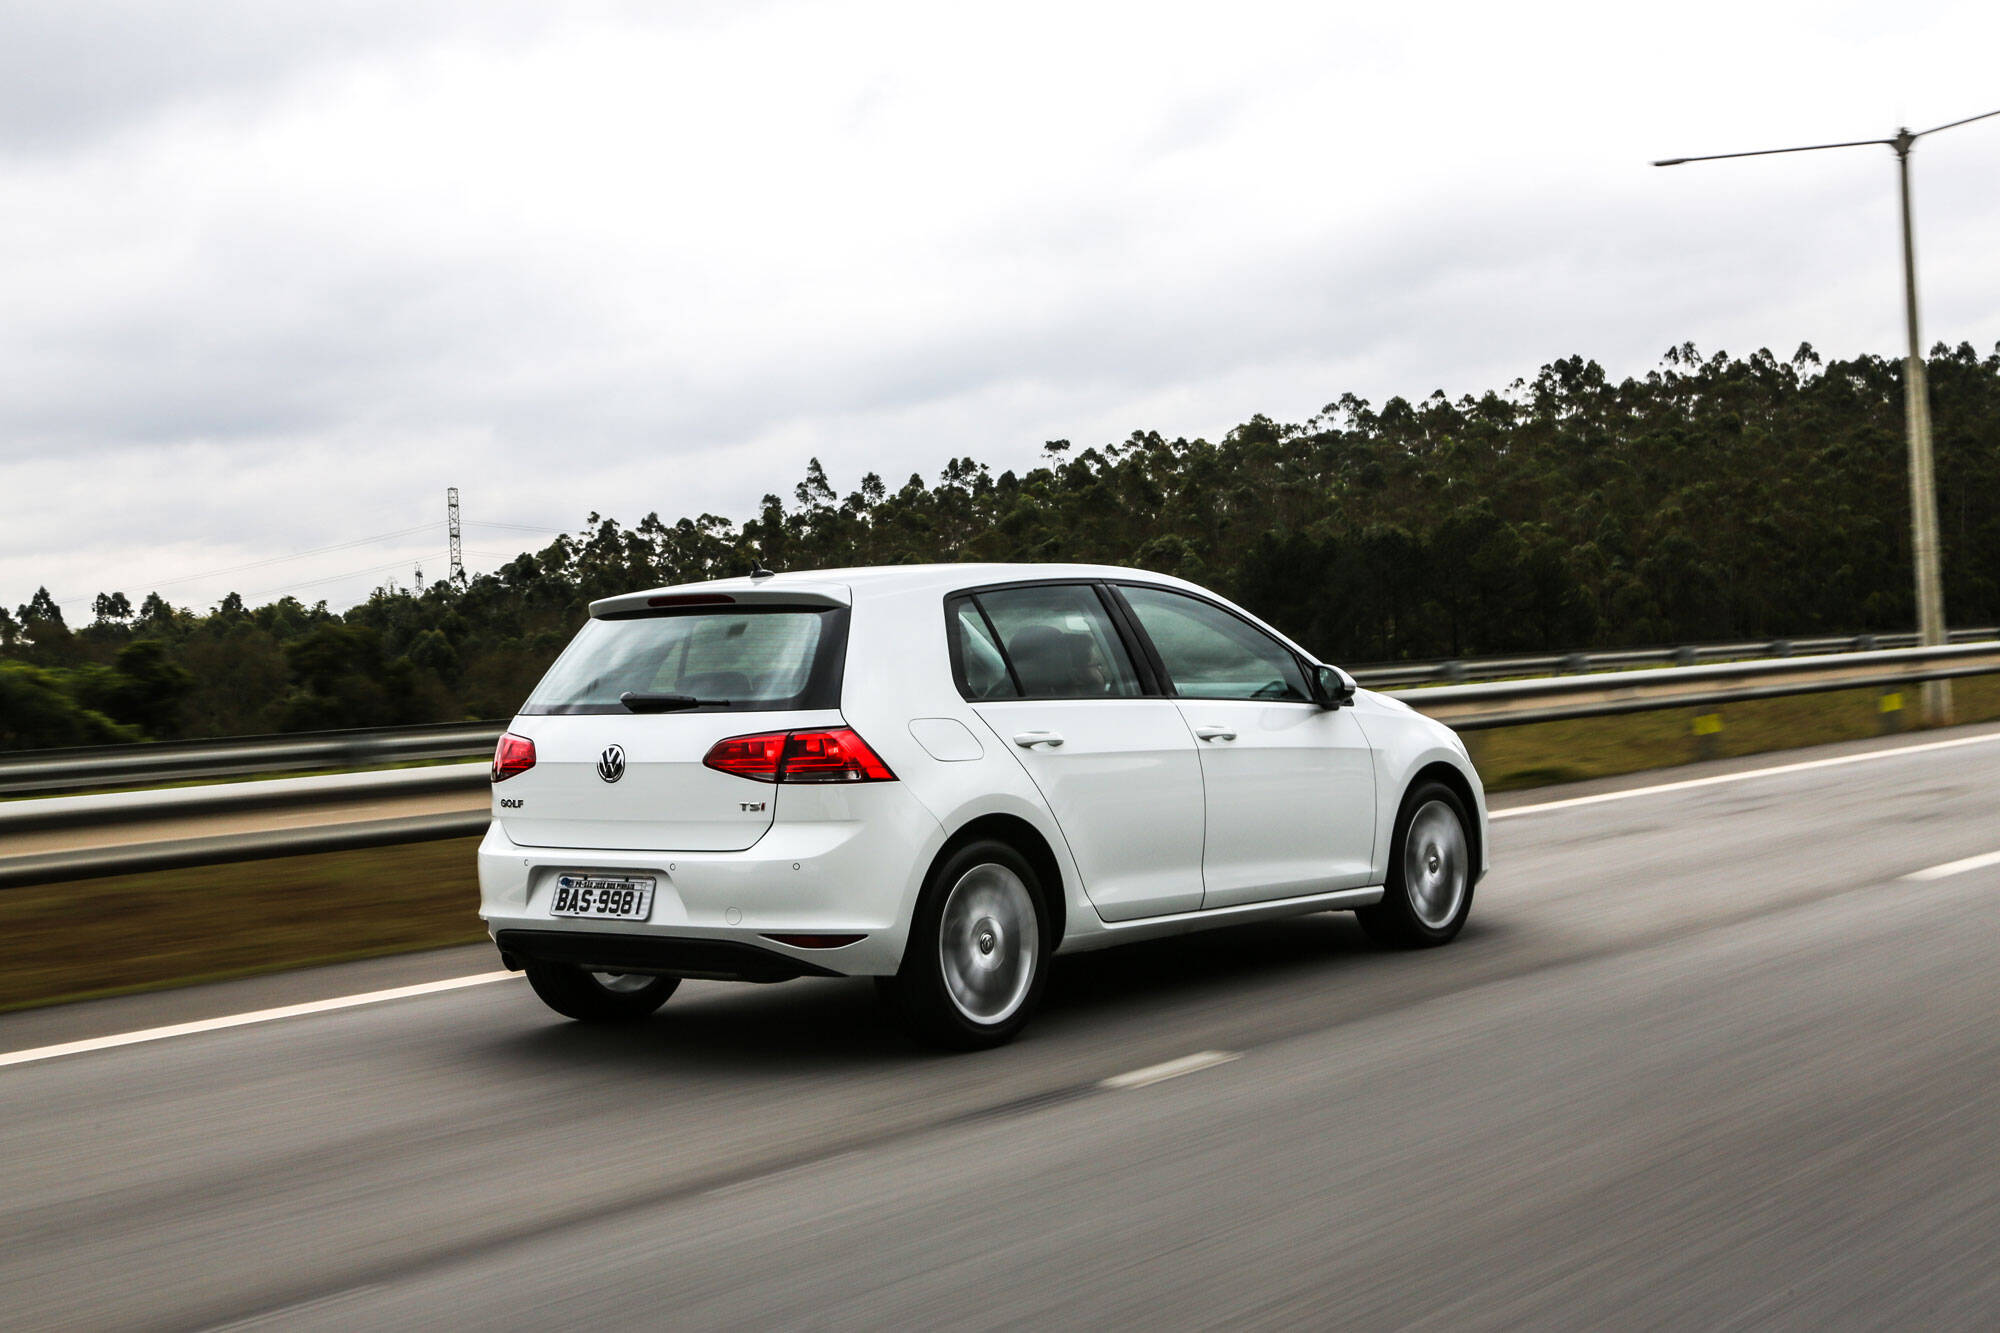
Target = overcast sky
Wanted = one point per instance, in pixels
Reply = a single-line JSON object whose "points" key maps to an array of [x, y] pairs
{"points": [[273, 276]]}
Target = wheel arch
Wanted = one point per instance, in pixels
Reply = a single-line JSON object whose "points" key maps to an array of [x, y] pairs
{"points": [[1026, 839], [1449, 775]]}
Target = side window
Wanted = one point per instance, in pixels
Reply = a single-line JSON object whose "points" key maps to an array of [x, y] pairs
{"points": [[1210, 654], [986, 675], [1059, 642]]}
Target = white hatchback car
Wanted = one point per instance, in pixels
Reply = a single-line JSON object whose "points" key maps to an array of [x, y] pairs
{"points": [[939, 776]]}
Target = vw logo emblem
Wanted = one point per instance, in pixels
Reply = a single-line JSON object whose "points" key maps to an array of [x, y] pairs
{"points": [[611, 764]]}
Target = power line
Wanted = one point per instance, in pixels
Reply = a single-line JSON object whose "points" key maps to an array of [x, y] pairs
{"points": [[389, 568], [512, 527], [176, 581]]}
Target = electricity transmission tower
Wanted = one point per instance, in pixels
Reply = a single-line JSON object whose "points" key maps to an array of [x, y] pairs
{"points": [[457, 556]]}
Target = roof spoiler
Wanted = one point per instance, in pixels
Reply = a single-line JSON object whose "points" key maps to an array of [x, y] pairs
{"points": [[726, 592]]}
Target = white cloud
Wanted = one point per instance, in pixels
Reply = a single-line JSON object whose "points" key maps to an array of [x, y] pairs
{"points": [[274, 276]]}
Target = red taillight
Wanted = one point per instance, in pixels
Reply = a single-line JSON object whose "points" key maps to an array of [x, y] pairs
{"points": [[753, 757], [834, 755], [514, 754]]}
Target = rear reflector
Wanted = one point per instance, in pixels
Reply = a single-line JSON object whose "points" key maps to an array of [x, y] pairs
{"points": [[816, 941], [514, 754], [835, 754]]}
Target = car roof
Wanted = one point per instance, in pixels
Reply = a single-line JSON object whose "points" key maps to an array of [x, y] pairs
{"points": [[863, 581], [841, 587]]}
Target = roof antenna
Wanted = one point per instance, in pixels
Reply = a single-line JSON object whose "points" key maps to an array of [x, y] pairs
{"points": [[757, 570]]}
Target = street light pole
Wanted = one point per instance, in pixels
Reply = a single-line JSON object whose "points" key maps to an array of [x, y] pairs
{"points": [[1916, 410], [1923, 483]]}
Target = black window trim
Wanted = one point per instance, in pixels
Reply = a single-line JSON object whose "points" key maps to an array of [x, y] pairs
{"points": [[1306, 667], [1153, 682]]}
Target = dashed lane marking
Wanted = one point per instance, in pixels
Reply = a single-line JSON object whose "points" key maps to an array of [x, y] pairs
{"points": [[1187, 1064], [1949, 868]]}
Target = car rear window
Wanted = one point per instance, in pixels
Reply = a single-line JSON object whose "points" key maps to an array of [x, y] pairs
{"points": [[739, 659]]}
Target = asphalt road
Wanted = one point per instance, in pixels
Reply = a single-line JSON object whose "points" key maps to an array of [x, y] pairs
{"points": [[1704, 1057]]}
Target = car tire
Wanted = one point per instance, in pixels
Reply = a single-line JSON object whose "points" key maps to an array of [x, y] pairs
{"points": [[978, 952], [1428, 892], [599, 997]]}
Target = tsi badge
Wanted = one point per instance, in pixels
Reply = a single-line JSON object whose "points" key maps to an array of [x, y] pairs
{"points": [[611, 764]]}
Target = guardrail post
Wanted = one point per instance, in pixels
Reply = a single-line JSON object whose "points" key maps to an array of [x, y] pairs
{"points": [[1781, 647], [1686, 655], [1452, 671], [1576, 663]]}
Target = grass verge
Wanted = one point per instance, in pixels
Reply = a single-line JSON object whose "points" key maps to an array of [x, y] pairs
{"points": [[143, 932], [1510, 758], [204, 923]]}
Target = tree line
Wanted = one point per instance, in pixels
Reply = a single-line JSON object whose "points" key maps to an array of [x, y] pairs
{"points": [[1713, 498]]}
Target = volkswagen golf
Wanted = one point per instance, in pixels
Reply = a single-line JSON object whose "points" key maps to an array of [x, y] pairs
{"points": [[941, 776]]}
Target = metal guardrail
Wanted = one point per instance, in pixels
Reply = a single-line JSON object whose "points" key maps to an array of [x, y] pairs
{"points": [[1512, 703], [42, 772], [148, 858], [230, 798], [1468, 707], [1387, 675]]}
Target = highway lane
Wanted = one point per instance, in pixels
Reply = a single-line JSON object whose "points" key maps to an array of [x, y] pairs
{"points": [[1702, 1056]]}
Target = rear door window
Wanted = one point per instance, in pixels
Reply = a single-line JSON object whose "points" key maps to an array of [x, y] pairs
{"points": [[737, 658], [1054, 641]]}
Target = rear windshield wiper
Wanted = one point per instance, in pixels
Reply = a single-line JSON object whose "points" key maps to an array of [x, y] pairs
{"points": [[665, 703]]}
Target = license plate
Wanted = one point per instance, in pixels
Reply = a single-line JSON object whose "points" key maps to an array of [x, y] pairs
{"points": [[615, 896]]}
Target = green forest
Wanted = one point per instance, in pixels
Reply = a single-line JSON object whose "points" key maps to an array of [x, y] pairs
{"points": [[1714, 498]]}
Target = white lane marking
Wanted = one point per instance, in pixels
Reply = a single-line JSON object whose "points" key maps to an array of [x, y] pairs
{"points": [[243, 1020], [286, 1314], [1187, 1064], [770, 1177], [1719, 778], [1979, 862]]}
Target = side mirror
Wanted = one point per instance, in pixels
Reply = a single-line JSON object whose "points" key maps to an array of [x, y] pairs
{"points": [[1334, 687]]}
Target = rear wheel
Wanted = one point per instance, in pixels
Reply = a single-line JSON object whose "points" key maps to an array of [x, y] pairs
{"points": [[973, 969], [599, 997], [1429, 889]]}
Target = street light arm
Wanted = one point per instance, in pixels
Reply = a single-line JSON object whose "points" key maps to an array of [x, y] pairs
{"points": [[1954, 124], [1767, 152]]}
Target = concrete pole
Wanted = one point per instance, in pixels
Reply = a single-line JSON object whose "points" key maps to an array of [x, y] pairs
{"points": [[1923, 483]]}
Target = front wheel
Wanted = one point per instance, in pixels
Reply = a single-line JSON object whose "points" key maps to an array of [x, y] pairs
{"points": [[599, 997], [1429, 890], [973, 969]]}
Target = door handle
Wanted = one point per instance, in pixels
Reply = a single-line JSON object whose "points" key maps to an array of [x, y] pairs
{"points": [[1028, 740], [1215, 733]]}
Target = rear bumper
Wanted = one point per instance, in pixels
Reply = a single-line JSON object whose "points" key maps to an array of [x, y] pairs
{"points": [[858, 875], [661, 955]]}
